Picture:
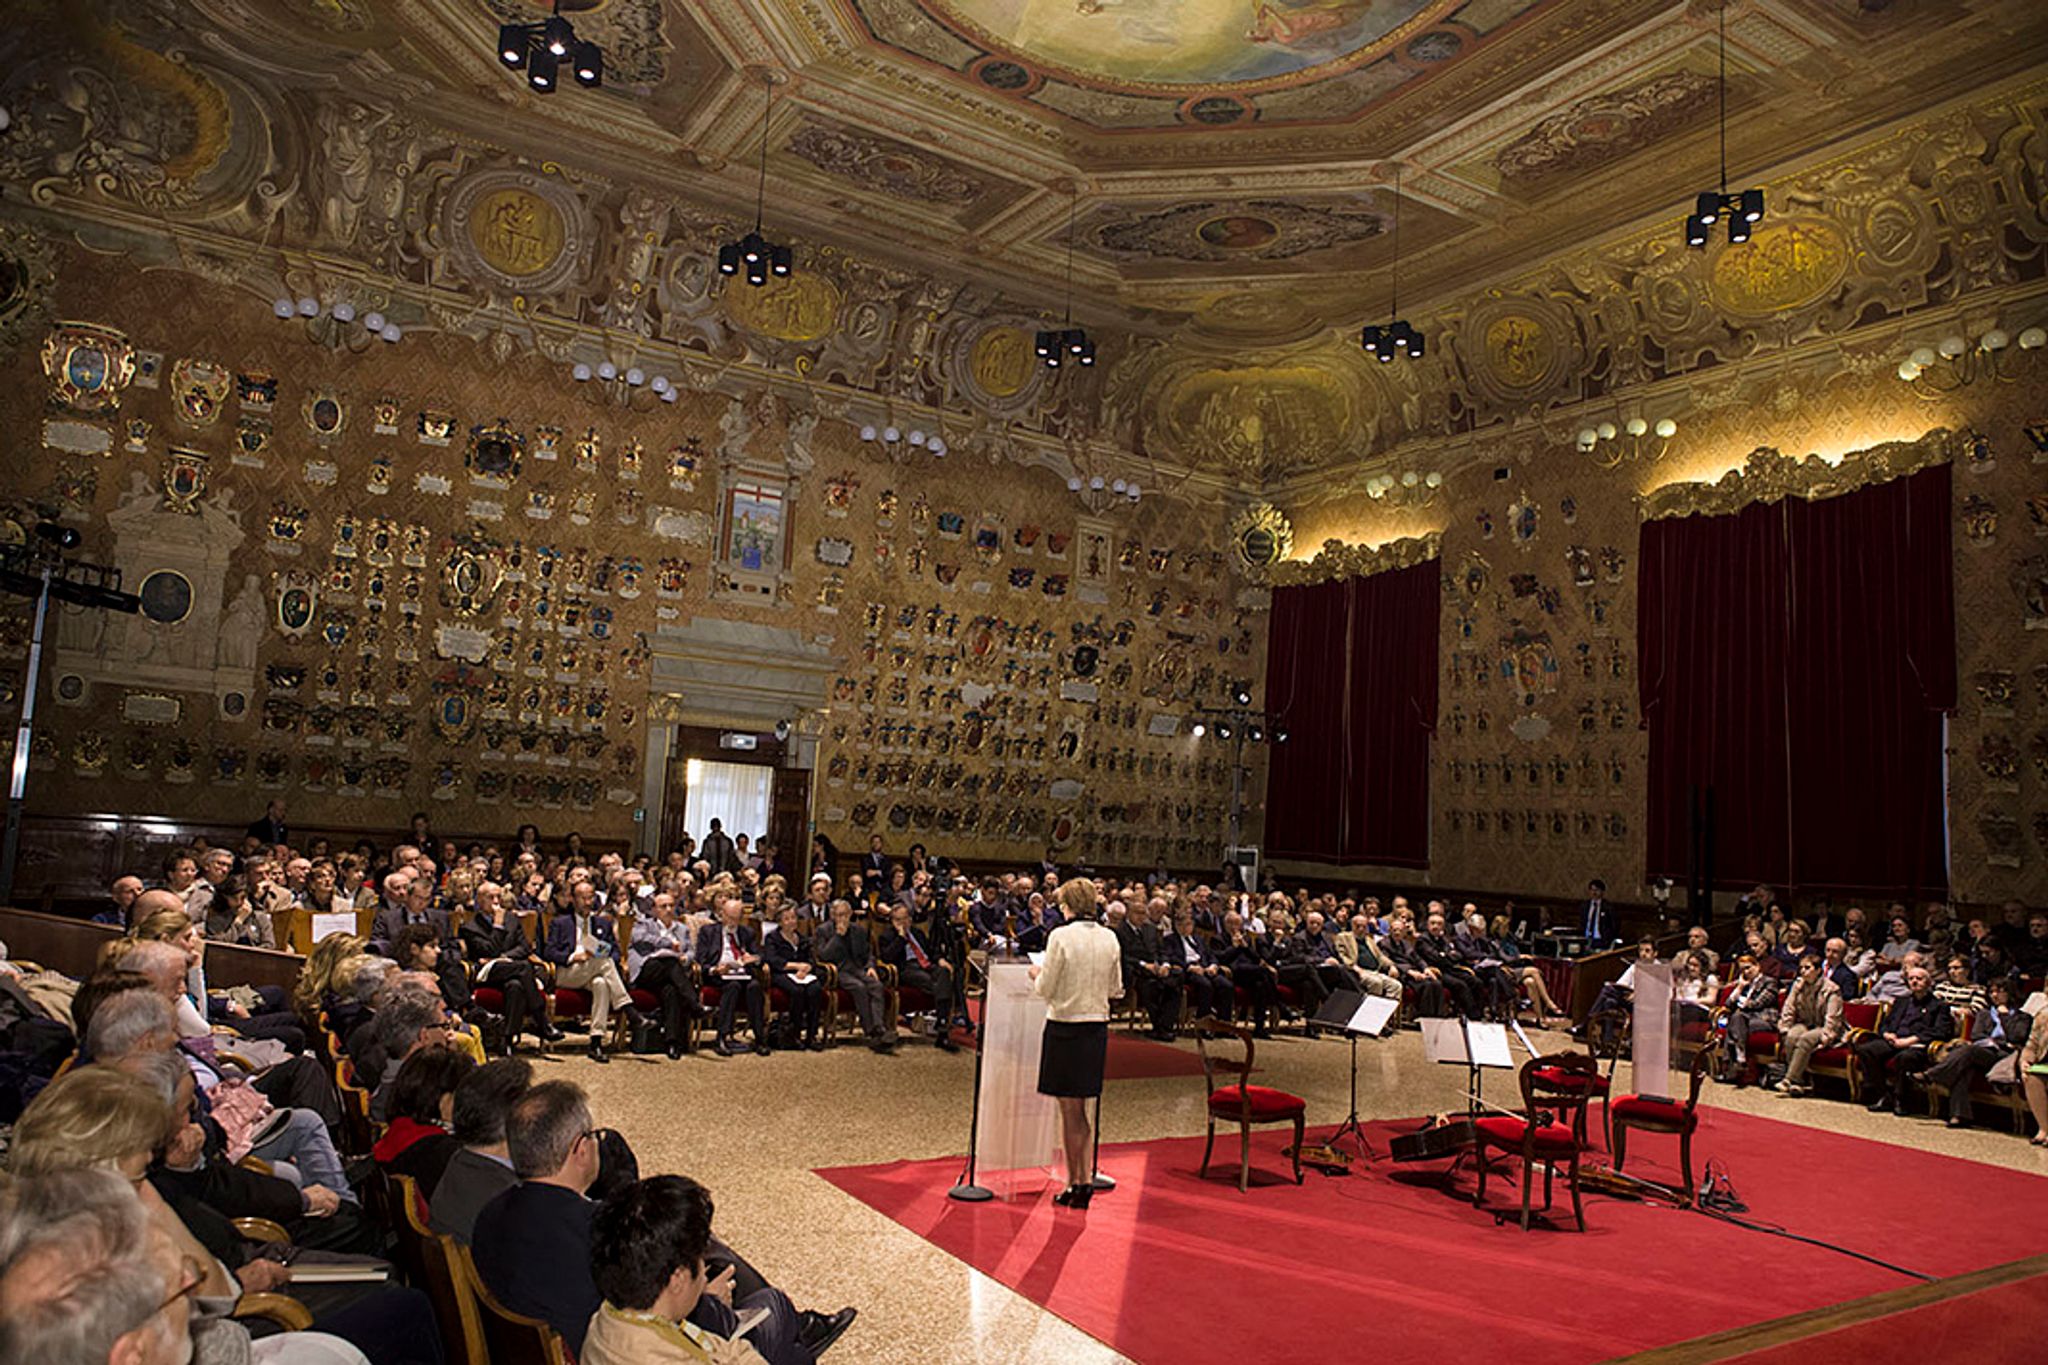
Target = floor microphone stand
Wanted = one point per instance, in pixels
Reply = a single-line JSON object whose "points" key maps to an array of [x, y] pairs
{"points": [[965, 1189]]}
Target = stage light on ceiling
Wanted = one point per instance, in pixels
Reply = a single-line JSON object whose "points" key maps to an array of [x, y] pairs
{"points": [[1398, 337], [1241, 694], [1057, 345], [541, 50], [1743, 210], [1223, 730], [753, 255], [541, 70], [1198, 730]]}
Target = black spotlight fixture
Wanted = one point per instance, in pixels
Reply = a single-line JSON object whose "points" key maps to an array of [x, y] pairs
{"points": [[1279, 734], [753, 257], [1744, 209], [1399, 337], [1056, 346], [1241, 694], [542, 50]]}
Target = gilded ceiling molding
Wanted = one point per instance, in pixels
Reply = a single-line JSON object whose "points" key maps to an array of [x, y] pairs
{"points": [[1771, 476], [1338, 560]]}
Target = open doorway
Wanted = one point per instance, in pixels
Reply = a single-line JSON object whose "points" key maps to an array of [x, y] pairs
{"points": [[740, 796]]}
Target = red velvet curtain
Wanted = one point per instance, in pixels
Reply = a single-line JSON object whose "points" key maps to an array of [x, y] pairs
{"points": [[1798, 659], [1351, 671]]}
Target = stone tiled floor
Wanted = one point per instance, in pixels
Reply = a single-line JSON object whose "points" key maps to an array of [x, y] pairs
{"points": [[754, 1128]]}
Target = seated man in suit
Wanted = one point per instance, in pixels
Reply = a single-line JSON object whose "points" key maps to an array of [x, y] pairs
{"points": [[1369, 968], [792, 970], [533, 1242], [728, 956], [658, 960], [920, 968], [1159, 988], [844, 945], [1915, 1022], [1413, 971], [1211, 992], [1319, 950], [1443, 957], [1238, 952], [583, 944], [482, 1170]]}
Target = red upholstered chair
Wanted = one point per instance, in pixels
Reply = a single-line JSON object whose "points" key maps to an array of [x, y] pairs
{"points": [[1556, 1079], [1535, 1137], [1863, 1017], [1241, 1102], [1662, 1116]]}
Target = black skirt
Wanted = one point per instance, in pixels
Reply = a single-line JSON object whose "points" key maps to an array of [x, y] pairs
{"points": [[1072, 1058]]}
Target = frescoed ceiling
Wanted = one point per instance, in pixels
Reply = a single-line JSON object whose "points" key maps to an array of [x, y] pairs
{"points": [[1223, 172]]}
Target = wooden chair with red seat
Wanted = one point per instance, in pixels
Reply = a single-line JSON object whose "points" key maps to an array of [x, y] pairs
{"points": [[509, 1338], [1535, 1137], [1596, 1087], [1662, 1116], [1241, 1102], [1863, 1018]]}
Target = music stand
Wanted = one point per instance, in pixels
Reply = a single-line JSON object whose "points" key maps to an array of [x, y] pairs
{"points": [[1359, 1015]]}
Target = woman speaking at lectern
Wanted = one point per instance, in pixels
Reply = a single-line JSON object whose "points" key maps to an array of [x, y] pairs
{"points": [[1082, 973]]}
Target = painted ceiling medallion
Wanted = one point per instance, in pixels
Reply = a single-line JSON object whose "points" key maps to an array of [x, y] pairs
{"points": [[1208, 230], [1163, 44], [886, 166], [1606, 127]]}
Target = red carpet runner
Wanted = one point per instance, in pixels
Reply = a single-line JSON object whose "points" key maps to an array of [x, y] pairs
{"points": [[1391, 1265]]}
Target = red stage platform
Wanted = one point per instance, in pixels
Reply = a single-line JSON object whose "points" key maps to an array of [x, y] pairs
{"points": [[1393, 1264]]}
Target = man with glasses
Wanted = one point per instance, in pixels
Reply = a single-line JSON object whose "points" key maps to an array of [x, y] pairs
{"points": [[533, 1242]]}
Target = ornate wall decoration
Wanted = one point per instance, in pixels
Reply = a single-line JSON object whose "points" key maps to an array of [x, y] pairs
{"points": [[1261, 419], [1768, 476], [1606, 127], [28, 281], [1516, 347], [516, 229], [87, 366], [886, 166], [1786, 264], [800, 306], [1338, 560], [1217, 230], [995, 367], [1261, 537]]}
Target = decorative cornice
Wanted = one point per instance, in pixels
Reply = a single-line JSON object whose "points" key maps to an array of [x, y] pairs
{"points": [[1768, 475], [1338, 560]]}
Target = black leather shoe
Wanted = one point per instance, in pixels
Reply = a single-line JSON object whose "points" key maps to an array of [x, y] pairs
{"points": [[815, 1043], [728, 1047], [597, 1052], [551, 1034], [944, 1042], [675, 1052], [816, 1332]]}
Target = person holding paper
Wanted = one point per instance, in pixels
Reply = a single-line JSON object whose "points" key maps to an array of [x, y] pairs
{"points": [[1081, 974], [728, 953]]}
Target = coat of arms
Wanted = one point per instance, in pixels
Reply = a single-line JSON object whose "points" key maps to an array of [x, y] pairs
{"points": [[88, 366], [199, 390], [184, 476]]}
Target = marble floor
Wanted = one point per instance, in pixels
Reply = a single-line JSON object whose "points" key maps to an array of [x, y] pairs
{"points": [[753, 1129]]}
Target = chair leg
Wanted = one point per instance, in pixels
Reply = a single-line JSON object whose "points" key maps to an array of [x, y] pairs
{"points": [[1528, 1175], [1685, 1161], [1578, 1206], [1549, 1170], [1479, 1195], [1244, 1158], [1619, 1145], [1300, 1136], [1208, 1146]]}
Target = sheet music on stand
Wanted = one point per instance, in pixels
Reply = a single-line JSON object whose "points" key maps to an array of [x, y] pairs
{"points": [[1461, 1042], [1356, 1012]]}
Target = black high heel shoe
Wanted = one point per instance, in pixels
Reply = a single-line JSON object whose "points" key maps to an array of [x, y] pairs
{"points": [[1074, 1196]]}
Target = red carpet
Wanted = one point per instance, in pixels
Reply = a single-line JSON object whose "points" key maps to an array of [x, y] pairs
{"points": [[1131, 1058], [1169, 1268], [2005, 1323]]}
